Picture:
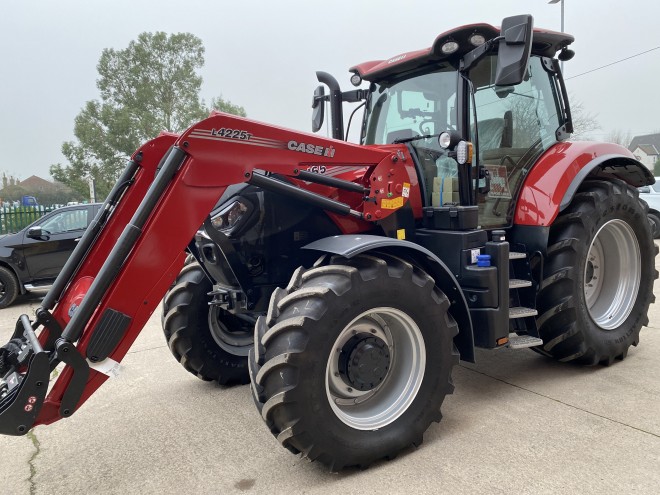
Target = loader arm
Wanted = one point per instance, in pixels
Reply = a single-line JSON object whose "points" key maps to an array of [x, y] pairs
{"points": [[136, 247]]}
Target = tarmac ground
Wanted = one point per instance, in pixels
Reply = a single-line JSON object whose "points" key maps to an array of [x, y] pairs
{"points": [[516, 423]]}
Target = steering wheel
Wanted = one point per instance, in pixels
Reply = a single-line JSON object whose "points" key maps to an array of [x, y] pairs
{"points": [[425, 131]]}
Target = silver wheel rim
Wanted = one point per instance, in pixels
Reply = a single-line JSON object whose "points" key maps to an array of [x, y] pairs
{"points": [[380, 406], [612, 274], [237, 342]]}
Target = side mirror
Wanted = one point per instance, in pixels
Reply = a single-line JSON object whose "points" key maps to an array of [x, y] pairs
{"points": [[644, 189], [35, 232], [514, 50], [318, 108]]}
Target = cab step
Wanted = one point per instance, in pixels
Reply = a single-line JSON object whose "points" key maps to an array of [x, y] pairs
{"points": [[513, 255], [520, 312], [523, 341], [516, 283]]}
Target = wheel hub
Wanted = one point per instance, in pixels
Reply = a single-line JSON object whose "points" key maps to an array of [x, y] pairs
{"points": [[364, 361], [376, 368]]}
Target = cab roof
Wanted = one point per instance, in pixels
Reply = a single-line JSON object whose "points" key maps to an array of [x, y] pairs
{"points": [[545, 43]]}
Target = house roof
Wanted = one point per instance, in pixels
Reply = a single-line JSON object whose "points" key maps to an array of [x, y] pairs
{"points": [[649, 149], [35, 183], [648, 140]]}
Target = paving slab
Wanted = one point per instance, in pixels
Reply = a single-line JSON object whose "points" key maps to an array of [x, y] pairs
{"points": [[517, 423]]}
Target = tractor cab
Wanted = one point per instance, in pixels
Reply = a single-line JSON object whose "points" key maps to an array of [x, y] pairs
{"points": [[476, 109]]}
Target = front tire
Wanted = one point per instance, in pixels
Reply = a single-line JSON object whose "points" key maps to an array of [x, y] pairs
{"points": [[354, 359], [598, 275], [208, 342]]}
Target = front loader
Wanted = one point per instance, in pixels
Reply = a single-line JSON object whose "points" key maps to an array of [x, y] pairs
{"points": [[344, 281]]}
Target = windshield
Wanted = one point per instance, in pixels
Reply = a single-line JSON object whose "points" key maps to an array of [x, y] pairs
{"points": [[418, 105]]}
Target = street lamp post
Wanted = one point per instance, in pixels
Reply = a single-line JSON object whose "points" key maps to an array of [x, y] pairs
{"points": [[562, 11], [562, 23]]}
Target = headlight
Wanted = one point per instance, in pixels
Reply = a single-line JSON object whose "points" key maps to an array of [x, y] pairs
{"points": [[230, 217]]}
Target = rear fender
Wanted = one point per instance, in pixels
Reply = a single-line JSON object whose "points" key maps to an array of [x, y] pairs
{"points": [[352, 245], [552, 182]]}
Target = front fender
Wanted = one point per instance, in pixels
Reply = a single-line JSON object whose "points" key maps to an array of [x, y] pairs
{"points": [[551, 184], [352, 245]]}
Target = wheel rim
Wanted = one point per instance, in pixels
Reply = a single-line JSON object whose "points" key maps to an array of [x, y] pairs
{"points": [[236, 342], [403, 352], [612, 274]]}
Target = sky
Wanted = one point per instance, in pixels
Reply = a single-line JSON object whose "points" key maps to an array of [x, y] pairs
{"points": [[263, 55]]}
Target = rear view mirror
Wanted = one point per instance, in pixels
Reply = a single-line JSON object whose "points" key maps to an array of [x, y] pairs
{"points": [[514, 50], [318, 108]]}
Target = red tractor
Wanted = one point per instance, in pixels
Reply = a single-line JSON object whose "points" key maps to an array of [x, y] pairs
{"points": [[345, 281]]}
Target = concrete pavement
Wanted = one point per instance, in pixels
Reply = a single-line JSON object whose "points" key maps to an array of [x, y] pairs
{"points": [[517, 423]]}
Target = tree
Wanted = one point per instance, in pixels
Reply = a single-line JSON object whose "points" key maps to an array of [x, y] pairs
{"points": [[151, 86], [618, 136], [583, 122], [656, 168], [227, 107]]}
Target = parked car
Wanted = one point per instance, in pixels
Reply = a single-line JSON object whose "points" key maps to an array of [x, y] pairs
{"points": [[651, 194], [32, 258]]}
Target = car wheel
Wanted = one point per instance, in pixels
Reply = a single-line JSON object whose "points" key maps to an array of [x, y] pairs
{"points": [[8, 287]]}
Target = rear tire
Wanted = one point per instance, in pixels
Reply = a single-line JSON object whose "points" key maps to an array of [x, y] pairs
{"points": [[354, 359], [8, 287], [208, 342], [654, 220], [599, 274]]}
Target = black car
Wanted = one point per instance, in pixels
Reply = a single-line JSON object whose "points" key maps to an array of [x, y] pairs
{"points": [[33, 257]]}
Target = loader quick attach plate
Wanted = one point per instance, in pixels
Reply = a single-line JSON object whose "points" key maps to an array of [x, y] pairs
{"points": [[23, 393]]}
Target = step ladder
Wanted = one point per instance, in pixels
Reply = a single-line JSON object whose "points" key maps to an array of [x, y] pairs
{"points": [[521, 341]]}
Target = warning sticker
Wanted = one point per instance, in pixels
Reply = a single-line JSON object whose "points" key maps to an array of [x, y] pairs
{"points": [[406, 190], [499, 185], [391, 204]]}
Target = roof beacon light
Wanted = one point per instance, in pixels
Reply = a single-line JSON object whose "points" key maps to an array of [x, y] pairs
{"points": [[477, 39], [449, 47], [356, 80]]}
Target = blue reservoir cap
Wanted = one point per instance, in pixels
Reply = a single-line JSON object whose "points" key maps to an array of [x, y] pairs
{"points": [[483, 260]]}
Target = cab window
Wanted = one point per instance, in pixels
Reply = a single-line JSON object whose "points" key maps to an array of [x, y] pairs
{"points": [[66, 221]]}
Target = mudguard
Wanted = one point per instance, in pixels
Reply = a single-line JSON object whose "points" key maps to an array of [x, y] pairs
{"points": [[352, 245], [550, 185]]}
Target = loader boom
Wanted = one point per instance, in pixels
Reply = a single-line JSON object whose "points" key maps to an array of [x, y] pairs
{"points": [[107, 298]]}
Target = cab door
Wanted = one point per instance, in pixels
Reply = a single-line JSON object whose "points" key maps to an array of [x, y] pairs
{"points": [[515, 125]]}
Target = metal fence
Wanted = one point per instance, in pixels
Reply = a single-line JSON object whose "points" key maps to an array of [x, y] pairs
{"points": [[13, 219]]}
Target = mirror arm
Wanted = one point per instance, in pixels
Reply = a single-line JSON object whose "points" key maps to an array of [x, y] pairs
{"points": [[335, 104], [479, 52], [355, 95]]}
